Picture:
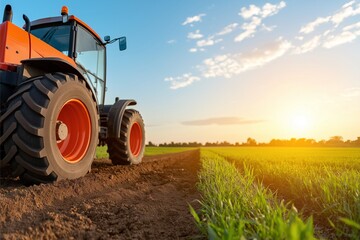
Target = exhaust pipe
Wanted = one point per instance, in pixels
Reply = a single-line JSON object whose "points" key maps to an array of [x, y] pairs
{"points": [[27, 23], [8, 14]]}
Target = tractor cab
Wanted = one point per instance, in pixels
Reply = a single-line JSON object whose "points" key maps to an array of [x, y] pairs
{"points": [[79, 42]]}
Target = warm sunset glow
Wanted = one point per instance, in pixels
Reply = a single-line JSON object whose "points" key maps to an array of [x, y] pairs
{"points": [[301, 122]]}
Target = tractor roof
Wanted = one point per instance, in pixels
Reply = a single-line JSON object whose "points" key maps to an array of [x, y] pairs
{"points": [[59, 20]]}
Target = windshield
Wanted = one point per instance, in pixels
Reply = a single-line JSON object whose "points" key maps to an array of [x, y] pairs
{"points": [[56, 36], [90, 57]]}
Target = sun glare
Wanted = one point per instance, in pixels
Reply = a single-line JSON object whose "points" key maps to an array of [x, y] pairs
{"points": [[301, 122]]}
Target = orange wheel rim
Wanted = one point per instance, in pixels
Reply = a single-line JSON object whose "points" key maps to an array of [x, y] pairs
{"points": [[73, 130], [135, 139]]}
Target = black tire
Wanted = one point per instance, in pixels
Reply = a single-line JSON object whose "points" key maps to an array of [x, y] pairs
{"points": [[5, 158], [129, 148], [35, 119]]}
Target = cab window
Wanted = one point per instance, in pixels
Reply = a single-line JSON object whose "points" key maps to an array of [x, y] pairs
{"points": [[90, 58], [56, 36]]}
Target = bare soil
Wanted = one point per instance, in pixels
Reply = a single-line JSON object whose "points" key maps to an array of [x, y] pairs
{"points": [[146, 201]]}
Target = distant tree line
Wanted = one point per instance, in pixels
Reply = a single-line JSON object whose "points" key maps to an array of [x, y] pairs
{"points": [[335, 141]]}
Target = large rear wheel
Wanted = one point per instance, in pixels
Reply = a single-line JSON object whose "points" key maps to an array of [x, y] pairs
{"points": [[129, 148], [56, 128]]}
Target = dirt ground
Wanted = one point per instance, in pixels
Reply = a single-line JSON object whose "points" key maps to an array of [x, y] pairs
{"points": [[147, 201]]}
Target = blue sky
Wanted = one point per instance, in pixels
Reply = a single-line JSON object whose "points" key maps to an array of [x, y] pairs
{"points": [[229, 70]]}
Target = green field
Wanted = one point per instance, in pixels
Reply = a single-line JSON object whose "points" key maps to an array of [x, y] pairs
{"points": [[280, 193], [101, 152]]}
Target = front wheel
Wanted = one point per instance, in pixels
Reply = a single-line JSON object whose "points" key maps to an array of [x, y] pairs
{"points": [[129, 148], [55, 128]]}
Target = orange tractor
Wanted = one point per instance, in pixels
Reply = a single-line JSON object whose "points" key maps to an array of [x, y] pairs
{"points": [[52, 93]]}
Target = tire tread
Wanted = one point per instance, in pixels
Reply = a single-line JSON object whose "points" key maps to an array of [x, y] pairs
{"points": [[22, 140], [118, 147]]}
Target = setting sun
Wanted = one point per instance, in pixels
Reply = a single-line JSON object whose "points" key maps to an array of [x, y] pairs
{"points": [[300, 123]]}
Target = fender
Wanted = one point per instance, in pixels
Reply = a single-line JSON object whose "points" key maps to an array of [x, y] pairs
{"points": [[40, 66], [115, 116]]}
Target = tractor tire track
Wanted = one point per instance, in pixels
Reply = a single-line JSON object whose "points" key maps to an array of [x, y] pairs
{"points": [[146, 201]]}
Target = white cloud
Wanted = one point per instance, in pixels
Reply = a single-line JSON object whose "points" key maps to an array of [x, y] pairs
{"points": [[172, 41], [228, 29], [249, 12], [253, 13], [346, 11], [348, 34], [348, 4], [266, 11], [194, 50], [244, 35], [344, 37], [310, 27], [250, 29], [181, 81], [256, 15], [266, 28], [352, 27], [332, 35], [208, 42], [195, 35], [327, 32], [194, 19], [205, 43], [309, 45], [255, 22], [229, 65], [271, 9]]}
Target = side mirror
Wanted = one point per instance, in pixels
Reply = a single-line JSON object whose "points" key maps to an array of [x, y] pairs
{"points": [[107, 38], [122, 43]]}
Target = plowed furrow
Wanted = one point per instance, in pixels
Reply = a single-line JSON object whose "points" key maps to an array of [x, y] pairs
{"points": [[145, 201]]}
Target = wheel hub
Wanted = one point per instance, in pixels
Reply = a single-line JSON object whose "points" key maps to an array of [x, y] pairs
{"points": [[73, 130], [135, 139], [61, 131]]}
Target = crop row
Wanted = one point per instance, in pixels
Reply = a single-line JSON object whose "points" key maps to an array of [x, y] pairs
{"points": [[233, 207], [243, 198]]}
